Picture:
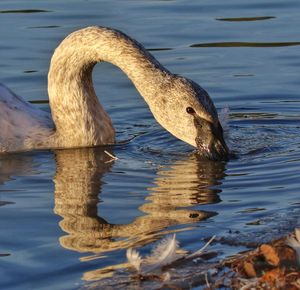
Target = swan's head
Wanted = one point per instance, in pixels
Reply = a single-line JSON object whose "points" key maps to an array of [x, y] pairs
{"points": [[190, 115]]}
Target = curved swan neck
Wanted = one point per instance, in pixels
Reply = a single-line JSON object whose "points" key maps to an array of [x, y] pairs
{"points": [[134, 60], [76, 111]]}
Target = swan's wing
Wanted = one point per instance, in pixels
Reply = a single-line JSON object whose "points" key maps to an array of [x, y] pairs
{"points": [[21, 123]]}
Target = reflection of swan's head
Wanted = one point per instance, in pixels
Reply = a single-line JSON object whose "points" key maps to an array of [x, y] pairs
{"points": [[190, 115], [176, 197]]}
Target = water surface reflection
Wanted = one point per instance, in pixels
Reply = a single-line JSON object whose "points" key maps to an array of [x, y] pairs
{"points": [[174, 199]]}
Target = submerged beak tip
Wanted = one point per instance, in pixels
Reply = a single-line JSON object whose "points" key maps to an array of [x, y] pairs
{"points": [[218, 151], [210, 141]]}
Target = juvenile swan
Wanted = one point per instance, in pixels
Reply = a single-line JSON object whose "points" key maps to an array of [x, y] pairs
{"points": [[78, 120]]}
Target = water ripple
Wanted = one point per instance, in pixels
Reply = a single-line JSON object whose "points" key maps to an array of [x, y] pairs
{"points": [[246, 44], [24, 11], [239, 19]]}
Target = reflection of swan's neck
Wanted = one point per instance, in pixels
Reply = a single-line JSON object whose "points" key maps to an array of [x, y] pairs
{"points": [[79, 118]]}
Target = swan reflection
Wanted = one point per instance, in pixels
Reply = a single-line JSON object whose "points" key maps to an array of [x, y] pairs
{"points": [[173, 200]]}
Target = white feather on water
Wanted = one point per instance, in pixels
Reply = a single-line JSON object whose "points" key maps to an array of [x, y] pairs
{"points": [[165, 253], [134, 259]]}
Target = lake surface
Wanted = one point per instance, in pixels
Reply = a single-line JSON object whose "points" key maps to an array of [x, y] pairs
{"points": [[67, 217]]}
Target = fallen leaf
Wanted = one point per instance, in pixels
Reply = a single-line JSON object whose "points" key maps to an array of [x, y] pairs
{"points": [[273, 276], [270, 254], [249, 270]]}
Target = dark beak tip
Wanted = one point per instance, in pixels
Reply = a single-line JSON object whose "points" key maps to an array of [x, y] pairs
{"points": [[220, 151], [214, 147]]}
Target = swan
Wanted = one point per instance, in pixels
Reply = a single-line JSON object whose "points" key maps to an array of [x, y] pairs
{"points": [[77, 118]]}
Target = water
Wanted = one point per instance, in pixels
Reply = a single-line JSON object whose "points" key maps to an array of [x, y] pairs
{"points": [[67, 217]]}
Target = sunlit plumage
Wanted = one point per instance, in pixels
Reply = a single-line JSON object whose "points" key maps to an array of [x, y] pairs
{"points": [[77, 118]]}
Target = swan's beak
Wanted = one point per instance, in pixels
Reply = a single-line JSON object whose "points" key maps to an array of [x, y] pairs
{"points": [[210, 141], [218, 149]]}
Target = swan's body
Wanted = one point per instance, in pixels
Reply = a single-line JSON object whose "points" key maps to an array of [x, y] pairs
{"points": [[22, 125], [79, 119]]}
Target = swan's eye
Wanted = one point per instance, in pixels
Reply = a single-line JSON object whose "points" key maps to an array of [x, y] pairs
{"points": [[190, 110]]}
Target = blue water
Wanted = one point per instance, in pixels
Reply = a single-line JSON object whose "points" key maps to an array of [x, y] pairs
{"points": [[66, 216]]}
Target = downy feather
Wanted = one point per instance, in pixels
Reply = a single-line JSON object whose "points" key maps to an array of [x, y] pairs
{"points": [[163, 254], [134, 258]]}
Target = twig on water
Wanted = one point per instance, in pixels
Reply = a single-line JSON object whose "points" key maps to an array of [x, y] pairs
{"points": [[206, 281], [111, 156], [199, 252]]}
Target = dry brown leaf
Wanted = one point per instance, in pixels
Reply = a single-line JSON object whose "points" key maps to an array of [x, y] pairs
{"points": [[273, 276], [270, 254], [249, 270]]}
